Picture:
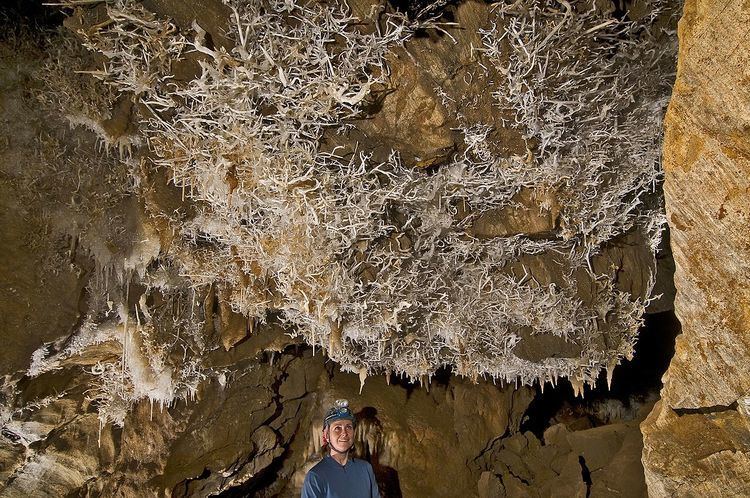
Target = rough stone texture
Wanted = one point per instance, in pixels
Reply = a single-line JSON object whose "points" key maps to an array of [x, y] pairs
{"points": [[33, 270], [438, 90], [526, 217], [696, 454], [411, 107], [696, 440], [707, 189], [407, 430], [256, 435], [602, 461], [228, 435]]}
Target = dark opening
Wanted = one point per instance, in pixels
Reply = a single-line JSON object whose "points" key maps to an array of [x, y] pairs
{"points": [[30, 13], [426, 9], [633, 381], [586, 475]]}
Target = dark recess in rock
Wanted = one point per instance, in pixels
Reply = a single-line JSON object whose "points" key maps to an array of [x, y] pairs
{"points": [[28, 13], [586, 475], [425, 8], [707, 410], [632, 381]]}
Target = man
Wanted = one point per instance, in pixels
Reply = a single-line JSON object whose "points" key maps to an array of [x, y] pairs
{"points": [[340, 475]]}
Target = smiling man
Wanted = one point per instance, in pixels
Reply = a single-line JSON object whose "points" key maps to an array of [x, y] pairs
{"points": [[340, 475]]}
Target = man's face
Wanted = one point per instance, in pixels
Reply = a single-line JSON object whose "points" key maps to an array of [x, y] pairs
{"points": [[340, 435]]}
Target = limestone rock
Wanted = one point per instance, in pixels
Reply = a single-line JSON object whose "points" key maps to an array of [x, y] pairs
{"points": [[696, 454], [602, 461], [41, 280], [211, 15], [235, 327], [436, 86], [406, 429], [241, 414], [490, 486], [707, 189], [533, 214], [695, 441]]}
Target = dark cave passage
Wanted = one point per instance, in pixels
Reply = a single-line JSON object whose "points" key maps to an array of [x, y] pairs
{"points": [[633, 383], [16, 13]]}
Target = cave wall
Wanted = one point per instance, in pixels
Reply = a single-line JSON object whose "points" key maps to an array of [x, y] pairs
{"points": [[297, 188], [696, 439]]}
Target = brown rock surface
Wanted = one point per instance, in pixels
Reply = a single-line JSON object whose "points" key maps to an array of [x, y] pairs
{"points": [[696, 441], [602, 461], [438, 96], [706, 160], [435, 88], [254, 430], [407, 430], [528, 215], [696, 454], [40, 284]]}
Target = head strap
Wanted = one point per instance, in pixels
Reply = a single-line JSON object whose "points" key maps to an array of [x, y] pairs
{"points": [[339, 411]]}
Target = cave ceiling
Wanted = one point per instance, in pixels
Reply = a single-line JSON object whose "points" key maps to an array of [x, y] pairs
{"points": [[400, 188]]}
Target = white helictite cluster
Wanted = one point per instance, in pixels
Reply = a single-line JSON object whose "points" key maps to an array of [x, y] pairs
{"points": [[375, 261]]}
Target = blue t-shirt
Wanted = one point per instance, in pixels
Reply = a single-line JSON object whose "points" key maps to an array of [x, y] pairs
{"points": [[330, 479]]}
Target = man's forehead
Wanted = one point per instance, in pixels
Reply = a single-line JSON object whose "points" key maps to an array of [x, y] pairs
{"points": [[337, 423]]}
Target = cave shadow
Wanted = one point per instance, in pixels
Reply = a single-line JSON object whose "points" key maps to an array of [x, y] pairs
{"points": [[386, 477], [441, 377], [634, 381]]}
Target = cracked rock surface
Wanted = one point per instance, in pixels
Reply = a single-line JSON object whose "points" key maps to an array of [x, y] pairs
{"points": [[696, 440], [601, 461]]}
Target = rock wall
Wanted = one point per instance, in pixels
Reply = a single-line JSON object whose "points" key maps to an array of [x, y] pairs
{"points": [[255, 432], [602, 461], [697, 441]]}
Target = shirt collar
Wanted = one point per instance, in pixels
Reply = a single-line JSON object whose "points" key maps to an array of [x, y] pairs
{"points": [[333, 461]]}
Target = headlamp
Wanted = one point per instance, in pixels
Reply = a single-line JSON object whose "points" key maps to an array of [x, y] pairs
{"points": [[339, 411]]}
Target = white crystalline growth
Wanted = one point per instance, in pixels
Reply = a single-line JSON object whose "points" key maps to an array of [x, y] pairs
{"points": [[375, 261], [130, 370]]}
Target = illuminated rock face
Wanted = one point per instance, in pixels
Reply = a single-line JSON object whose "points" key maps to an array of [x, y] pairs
{"points": [[696, 439]]}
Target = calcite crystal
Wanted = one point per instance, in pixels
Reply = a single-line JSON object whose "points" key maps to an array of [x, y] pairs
{"points": [[380, 201]]}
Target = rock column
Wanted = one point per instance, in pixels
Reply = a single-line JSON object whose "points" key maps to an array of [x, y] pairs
{"points": [[697, 439]]}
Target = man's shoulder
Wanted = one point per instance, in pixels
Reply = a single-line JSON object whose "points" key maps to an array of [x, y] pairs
{"points": [[324, 465], [316, 475], [318, 467]]}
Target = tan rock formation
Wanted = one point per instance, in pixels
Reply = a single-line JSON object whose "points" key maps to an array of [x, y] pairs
{"points": [[706, 159], [696, 454], [696, 440], [421, 442], [602, 461]]}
